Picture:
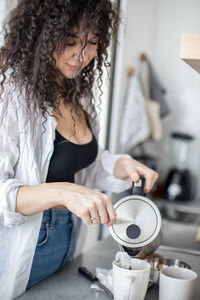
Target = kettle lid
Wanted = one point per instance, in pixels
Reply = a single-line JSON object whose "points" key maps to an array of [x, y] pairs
{"points": [[138, 221]]}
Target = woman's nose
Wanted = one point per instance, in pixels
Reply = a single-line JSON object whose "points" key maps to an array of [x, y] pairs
{"points": [[79, 53]]}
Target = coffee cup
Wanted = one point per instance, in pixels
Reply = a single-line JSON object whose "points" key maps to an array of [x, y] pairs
{"points": [[131, 284], [158, 264], [177, 283]]}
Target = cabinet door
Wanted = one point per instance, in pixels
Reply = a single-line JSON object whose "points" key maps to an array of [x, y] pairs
{"points": [[190, 50]]}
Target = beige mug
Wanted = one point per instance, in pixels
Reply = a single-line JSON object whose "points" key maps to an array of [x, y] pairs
{"points": [[177, 283], [131, 284]]}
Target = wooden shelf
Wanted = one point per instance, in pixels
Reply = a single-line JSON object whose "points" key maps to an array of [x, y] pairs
{"points": [[190, 49]]}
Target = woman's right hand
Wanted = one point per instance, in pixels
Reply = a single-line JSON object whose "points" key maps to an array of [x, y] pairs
{"points": [[90, 205]]}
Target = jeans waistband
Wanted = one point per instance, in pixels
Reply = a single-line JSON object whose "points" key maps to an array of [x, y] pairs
{"points": [[56, 216]]}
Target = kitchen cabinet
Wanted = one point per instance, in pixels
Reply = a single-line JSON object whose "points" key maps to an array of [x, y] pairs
{"points": [[69, 284], [190, 50]]}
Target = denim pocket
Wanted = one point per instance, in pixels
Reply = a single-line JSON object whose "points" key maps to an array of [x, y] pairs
{"points": [[43, 236]]}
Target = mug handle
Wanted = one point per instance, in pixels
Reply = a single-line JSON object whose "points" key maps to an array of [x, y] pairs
{"points": [[127, 287]]}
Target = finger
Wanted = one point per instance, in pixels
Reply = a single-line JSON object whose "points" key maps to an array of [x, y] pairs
{"points": [[111, 221], [85, 216], [134, 176], [94, 215], [153, 177], [87, 220], [131, 182], [101, 206], [111, 213], [147, 173], [150, 179], [148, 183]]}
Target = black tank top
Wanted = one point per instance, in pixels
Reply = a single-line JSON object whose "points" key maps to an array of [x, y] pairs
{"points": [[69, 158]]}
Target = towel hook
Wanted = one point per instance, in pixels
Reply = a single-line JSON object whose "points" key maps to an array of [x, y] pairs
{"points": [[143, 56], [130, 71]]}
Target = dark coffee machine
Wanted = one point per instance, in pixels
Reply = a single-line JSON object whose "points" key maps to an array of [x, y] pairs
{"points": [[179, 183]]}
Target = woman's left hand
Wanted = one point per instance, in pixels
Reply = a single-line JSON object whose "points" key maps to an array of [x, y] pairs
{"points": [[129, 168]]}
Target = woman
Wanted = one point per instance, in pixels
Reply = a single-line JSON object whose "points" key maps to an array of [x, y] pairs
{"points": [[52, 172]]}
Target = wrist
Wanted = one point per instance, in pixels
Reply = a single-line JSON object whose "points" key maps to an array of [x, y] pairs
{"points": [[120, 168], [54, 192]]}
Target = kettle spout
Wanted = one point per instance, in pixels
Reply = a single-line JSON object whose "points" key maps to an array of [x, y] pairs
{"points": [[131, 251], [143, 251]]}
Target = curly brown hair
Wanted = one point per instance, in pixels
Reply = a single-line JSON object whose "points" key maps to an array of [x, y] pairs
{"points": [[32, 32]]}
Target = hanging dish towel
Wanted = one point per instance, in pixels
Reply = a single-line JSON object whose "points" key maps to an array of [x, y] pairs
{"points": [[152, 107], [134, 126], [157, 91]]}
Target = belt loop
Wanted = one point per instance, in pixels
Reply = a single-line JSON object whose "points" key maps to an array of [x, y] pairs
{"points": [[52, 218]]}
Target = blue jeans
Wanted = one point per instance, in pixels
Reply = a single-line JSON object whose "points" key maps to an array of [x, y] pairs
{"points": [[53, 249]]}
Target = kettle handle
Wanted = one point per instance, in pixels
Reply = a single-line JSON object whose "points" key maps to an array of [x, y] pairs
{"points": [[138, 187]]}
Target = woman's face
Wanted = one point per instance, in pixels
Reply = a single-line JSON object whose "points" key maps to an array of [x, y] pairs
{"points": [[77, 54]]}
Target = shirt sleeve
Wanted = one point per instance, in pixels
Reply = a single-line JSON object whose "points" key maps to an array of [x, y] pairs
{"points": [[9, 155]]}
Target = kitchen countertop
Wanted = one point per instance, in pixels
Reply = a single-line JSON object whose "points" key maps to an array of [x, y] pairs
{"points": [[191, 205], [68, 284]]}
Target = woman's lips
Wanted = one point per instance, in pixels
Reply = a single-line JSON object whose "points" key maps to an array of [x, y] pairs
{"points": [[73, 68]]}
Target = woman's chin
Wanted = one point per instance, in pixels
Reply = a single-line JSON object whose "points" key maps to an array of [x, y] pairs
{"points": [[71, 74]]}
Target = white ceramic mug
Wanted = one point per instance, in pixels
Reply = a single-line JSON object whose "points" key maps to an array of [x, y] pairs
{"points": [[131, 284], [177, 283]]}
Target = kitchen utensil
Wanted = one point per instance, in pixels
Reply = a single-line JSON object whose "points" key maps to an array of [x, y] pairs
{"points": [[131, 284], [87, 274], [177, 283], [179, 184], [158, 264], [137, 228]]}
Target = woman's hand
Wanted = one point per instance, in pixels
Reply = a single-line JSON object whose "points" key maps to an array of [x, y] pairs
{"points": [[88, 204], [130, 168]]}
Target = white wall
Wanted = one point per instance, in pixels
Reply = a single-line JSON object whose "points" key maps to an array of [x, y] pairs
{"points": [[155, 27], [134, 38], [181, 81], [5, 7], [2, 14]]}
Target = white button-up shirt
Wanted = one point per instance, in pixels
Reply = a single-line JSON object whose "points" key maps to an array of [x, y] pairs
{"points": [[26, 146]]}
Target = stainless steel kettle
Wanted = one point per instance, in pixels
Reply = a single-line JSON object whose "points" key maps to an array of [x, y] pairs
{"points": [[137, 228]]}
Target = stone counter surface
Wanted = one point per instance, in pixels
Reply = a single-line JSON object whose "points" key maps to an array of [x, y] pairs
{"points": [[68, 284]]}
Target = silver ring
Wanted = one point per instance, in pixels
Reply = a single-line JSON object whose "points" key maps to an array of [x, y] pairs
{"points": [[92, 219]]}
